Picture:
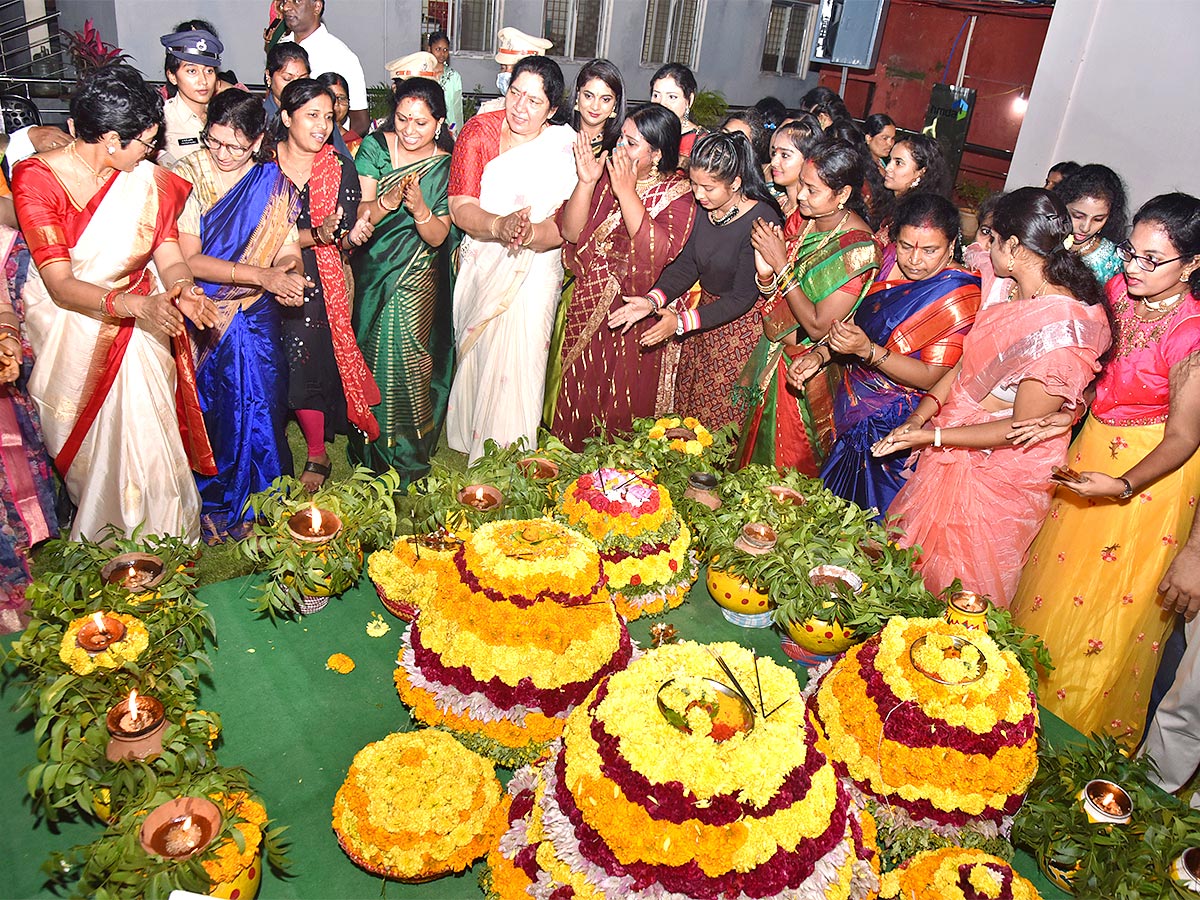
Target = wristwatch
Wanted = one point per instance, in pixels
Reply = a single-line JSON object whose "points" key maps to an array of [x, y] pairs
{"points": [[1128, 492], [679, 326]]}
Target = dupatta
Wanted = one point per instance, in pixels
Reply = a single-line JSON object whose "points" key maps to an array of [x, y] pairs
{"points": [[324, 186]]}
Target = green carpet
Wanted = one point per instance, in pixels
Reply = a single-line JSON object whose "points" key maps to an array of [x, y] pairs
{"points": [[297, 726]]}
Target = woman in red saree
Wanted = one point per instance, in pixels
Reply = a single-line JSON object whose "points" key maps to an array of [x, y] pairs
{"points": [[976, 501], [113, 380], [627, 219]]}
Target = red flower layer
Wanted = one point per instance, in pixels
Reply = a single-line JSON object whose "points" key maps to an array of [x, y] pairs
{"points": [[616, 554], [547, 701], [525, 858], [518, 600], [782, 871], [587, 492], [671, 802], [921, 809], [907, 724]]}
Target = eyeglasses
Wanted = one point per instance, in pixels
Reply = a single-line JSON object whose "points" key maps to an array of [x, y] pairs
{"points": [[1145, 263], [236, 151], [149, 147]]}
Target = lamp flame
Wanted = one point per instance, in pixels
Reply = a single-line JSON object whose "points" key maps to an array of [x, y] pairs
{"points": [[133, 707], [98, 618], [316, 518]]}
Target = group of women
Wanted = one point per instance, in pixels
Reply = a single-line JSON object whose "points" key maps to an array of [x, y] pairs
{"points": [[624, 263]]}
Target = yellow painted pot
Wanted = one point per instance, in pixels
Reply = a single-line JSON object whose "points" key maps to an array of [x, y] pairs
{"points": [[1060, 877], [734, 594], [102, 803], [244, 886], [820, 636]]}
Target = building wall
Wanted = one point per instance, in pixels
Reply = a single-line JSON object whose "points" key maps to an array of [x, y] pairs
{"points": [[381, 30], [1115, 86], [918, 49]]}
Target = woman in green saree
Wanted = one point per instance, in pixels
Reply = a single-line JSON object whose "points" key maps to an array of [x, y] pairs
{"points": [[402, 290]]}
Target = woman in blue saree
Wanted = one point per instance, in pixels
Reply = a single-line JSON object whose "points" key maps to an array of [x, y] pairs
{"points": [[905, 335], [238, 233]]}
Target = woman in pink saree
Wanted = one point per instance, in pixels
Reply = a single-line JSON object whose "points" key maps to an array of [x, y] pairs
{"points": [[976, 502]]}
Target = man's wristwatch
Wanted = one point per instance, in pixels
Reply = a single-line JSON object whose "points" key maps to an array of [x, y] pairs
{"points": [[1128, 492], [679, 326]]}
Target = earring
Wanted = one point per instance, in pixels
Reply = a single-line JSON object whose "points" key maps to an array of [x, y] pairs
{"points": [[687, 115], [438, 133], [916, 181], [1185, 278], [111, 150], [841, 205], [613, 114]]}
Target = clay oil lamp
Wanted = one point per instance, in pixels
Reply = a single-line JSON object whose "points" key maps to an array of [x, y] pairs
{"points": [[1106, 803], [785, 494], [313, 525], [702, 487], [539, 468], [135, 728], [482, 497], [757, 538], [1187, 869], [99, 633], [181, 828], [136, 572]]}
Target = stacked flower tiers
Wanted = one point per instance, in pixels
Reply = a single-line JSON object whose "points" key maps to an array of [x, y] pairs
{"points": [[406, 576], [520, 633], [645, 545], [956, 873], [693, 773], [932, 722], [418, 805]]}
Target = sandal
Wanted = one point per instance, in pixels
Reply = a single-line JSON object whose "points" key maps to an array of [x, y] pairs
{"points": [[317, 468]]}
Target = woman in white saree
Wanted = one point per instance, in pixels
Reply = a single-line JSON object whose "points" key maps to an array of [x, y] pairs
{"points": [[113, 378], [510, 172]]}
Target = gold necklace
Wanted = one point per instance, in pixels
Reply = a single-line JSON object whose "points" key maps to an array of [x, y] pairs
{"points": [[1012, 291], [75, 153], [1089, 245], [1163, 305]]}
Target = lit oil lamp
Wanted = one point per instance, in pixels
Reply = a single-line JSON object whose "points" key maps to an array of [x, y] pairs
{"points": [[181, 828], [702, 487], [785, 494], [1186, 869], [968, 609], [756, 539], [313, 525], [481, 497], [539, 468], [136, 572], [99, 633], [1106, 803], [135, 728]]}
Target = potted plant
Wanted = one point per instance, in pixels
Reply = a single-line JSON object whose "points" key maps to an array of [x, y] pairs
{"points": [[970, 194], [303, 574]]}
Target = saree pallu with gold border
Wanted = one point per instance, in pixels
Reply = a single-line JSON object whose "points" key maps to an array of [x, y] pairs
{"points": [[924, 319], [785, 428], [403, 320], [606, 376], [117, 402], [241, 370]]}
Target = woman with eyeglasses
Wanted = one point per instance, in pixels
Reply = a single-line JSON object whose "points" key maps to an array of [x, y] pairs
{"points": [[238, 233], [106, 326], [339, 88], [1095, 198], [976, 501], [1090, 588]]}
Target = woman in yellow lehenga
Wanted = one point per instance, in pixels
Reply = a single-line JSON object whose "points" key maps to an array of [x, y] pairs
{"points": [[1090, 587]]}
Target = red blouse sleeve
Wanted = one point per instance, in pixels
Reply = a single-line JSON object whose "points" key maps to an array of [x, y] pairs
{"points": [[1183, 339], [477, 145], [42, 208]]}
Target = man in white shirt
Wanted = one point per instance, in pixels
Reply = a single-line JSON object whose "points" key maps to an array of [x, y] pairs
{"points": [[327, 53]]}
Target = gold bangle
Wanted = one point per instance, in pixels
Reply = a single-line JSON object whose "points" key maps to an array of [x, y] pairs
{"points": [[531, 237], [424, 220], [492, 228], [233, 273]]}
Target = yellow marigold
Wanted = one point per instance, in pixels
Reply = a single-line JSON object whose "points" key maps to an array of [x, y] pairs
{"points": [[225, 863], [937, 874], [340, 663], [677, 445], [129, 648], [704, 437], [418, 804], [657, 433], [505, 880], [691, 422], [693, 448]]}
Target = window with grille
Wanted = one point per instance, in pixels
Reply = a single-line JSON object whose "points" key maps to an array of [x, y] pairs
{"points": [[789, 33], [575, 26], [471, 24], [672, 32]]}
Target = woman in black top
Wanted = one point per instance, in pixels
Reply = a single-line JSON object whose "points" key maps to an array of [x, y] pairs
{"points": [[712, 328]]}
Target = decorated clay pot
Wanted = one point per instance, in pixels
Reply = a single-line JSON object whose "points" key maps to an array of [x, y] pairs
{"points": [[821, 637], [739, 598], [244, 885]]}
